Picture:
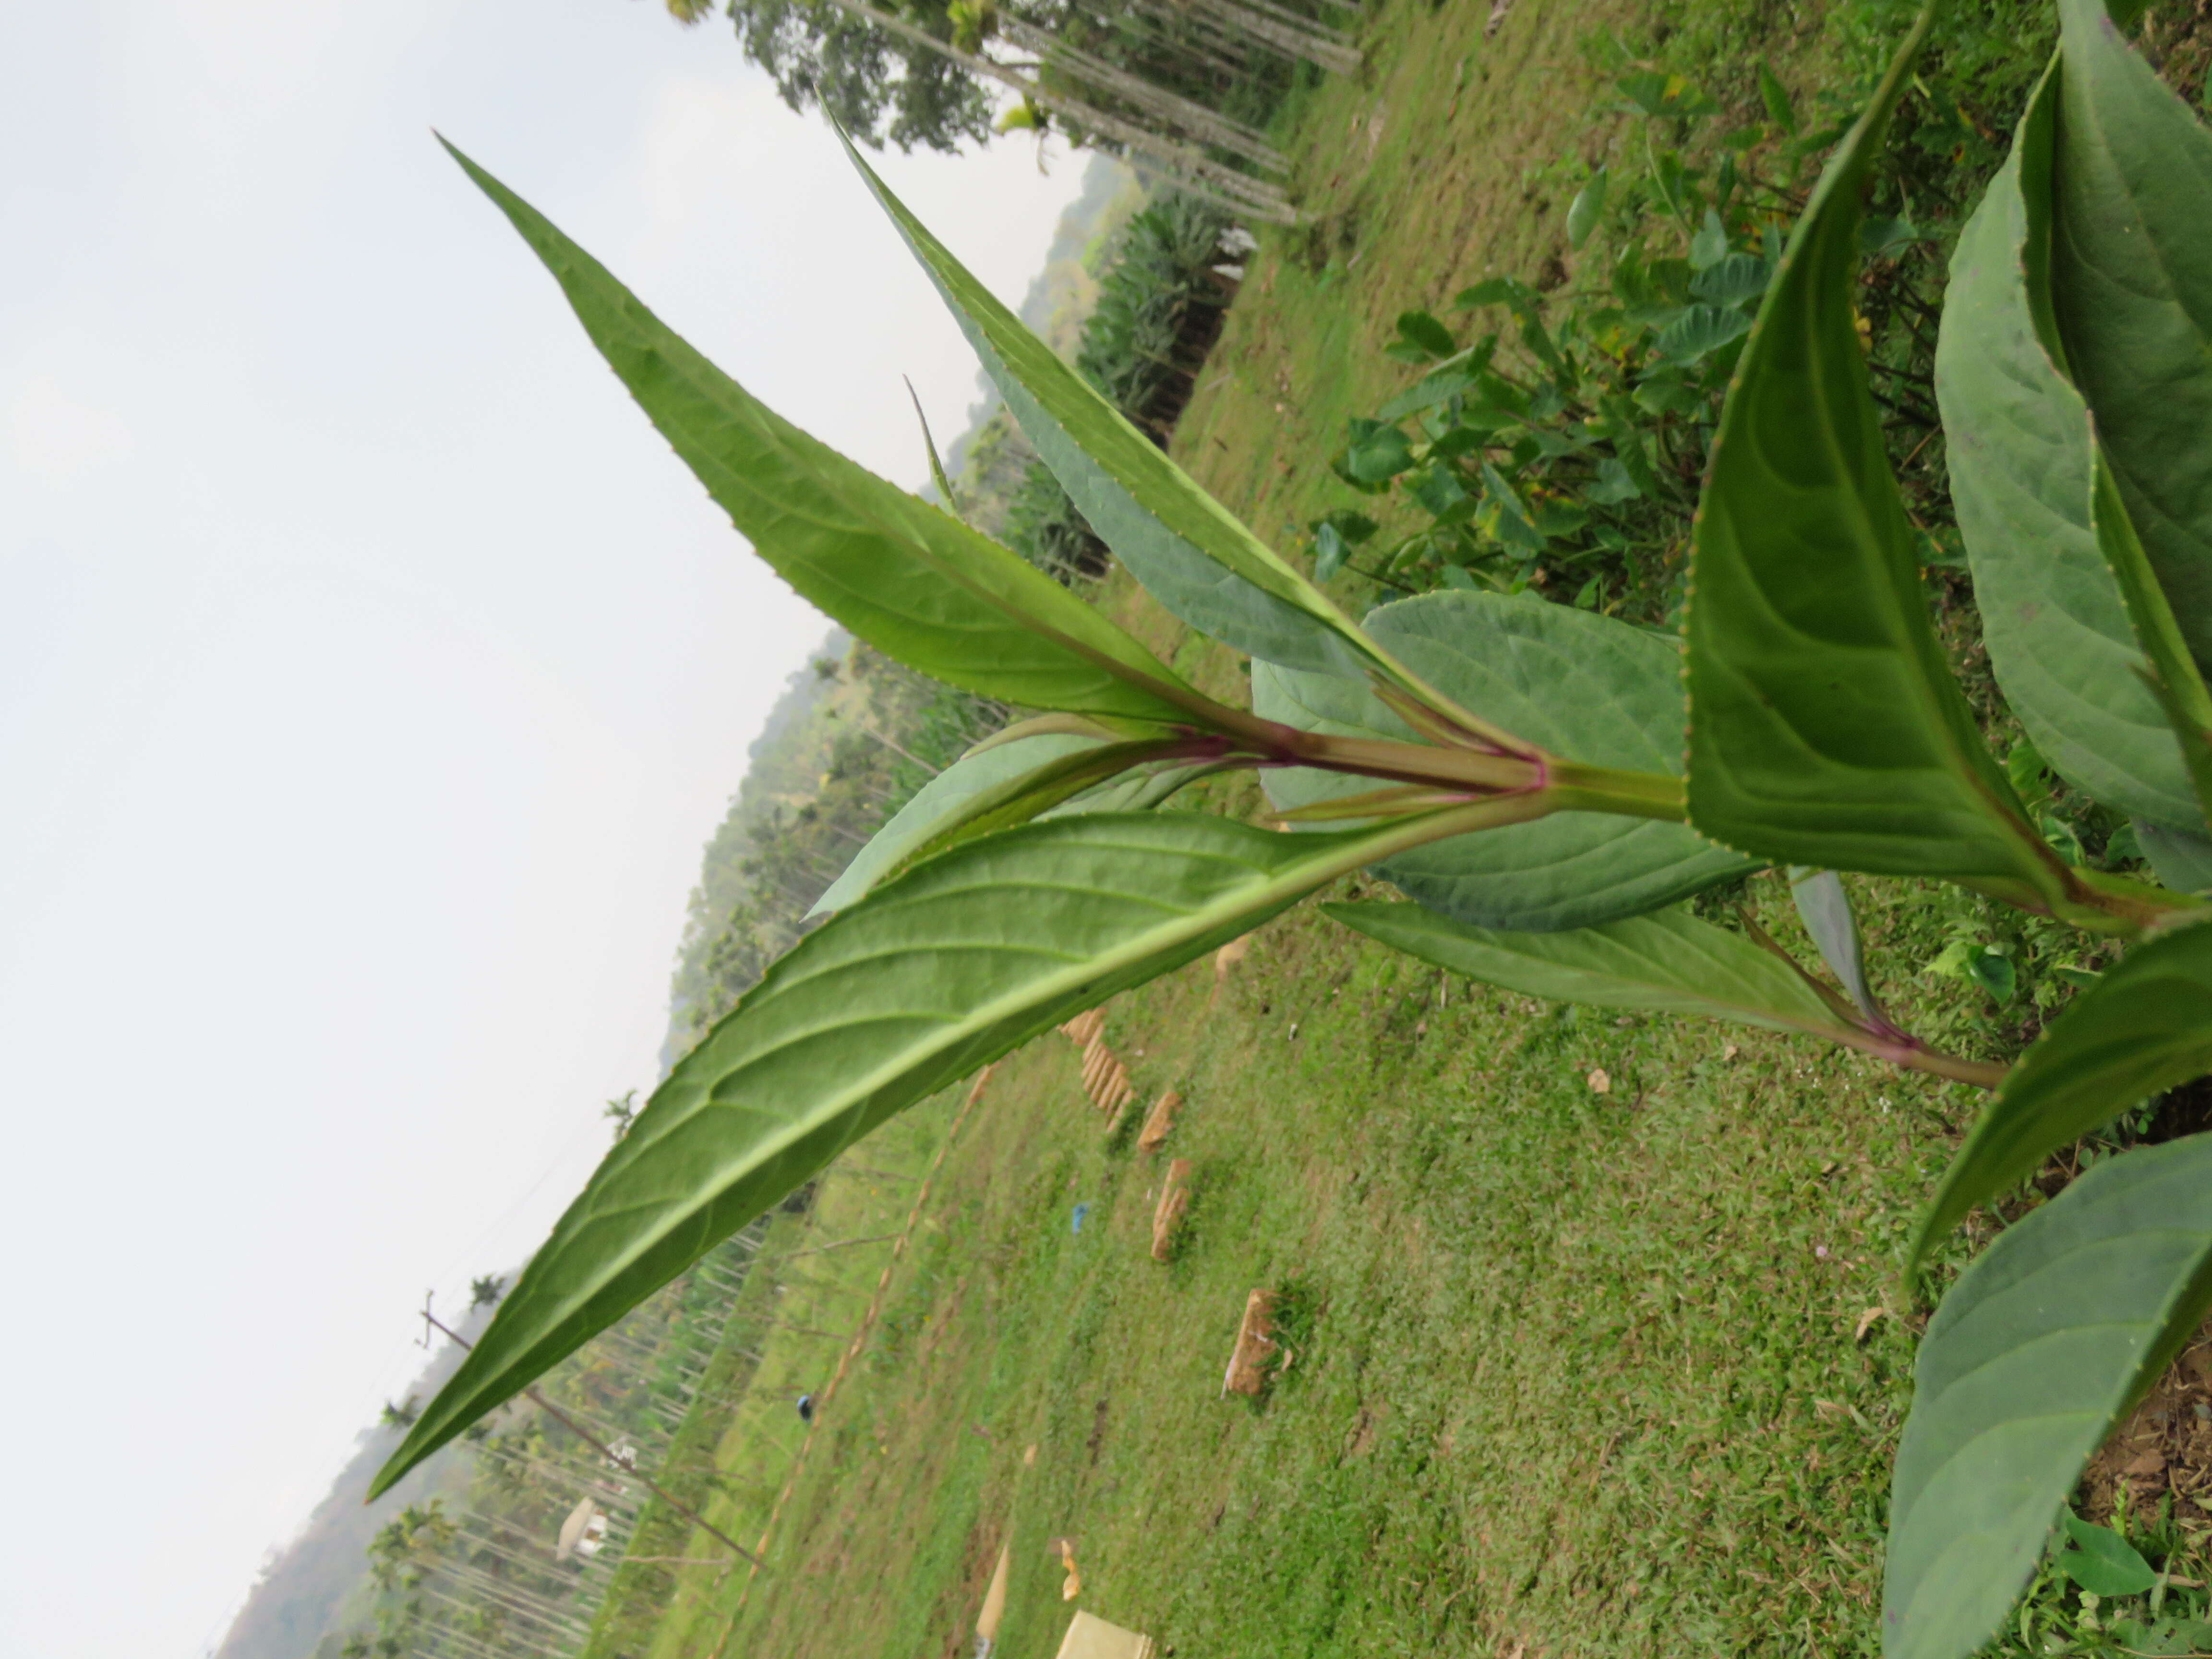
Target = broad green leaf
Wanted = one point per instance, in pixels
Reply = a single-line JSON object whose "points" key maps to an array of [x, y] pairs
{"points": [[1776, 97], [910, 579], [2144, 1025], [1422, 331], [1667, 962], [2131, 294], [1709, 245], [2069, 598], [1330, 551], [1888, 238], [1985, 967], [1377, 452], [2183, 861], [1732, 280], [926, 979], [2018, 439], [1189, 552], [946, 798], [1700, 330], [1494, 291], [2041, 1346], [1654, 92], [1826, 910], [2102, 1562], [1591, 688], [2173, 675], [1587, 209], [2180, 1639], [1440, 386], [1826, 728]]}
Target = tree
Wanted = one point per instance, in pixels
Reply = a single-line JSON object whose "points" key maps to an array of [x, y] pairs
{"points": [[624, 1111], [483, 1293], [877, 85], [401, 1416], [1143, 78]]}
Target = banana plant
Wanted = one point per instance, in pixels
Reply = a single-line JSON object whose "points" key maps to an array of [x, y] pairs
{"points": [[1546, 786]]}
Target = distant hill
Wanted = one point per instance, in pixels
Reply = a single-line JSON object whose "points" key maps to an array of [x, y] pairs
{"points": [[301, 1595], [781, 767]]}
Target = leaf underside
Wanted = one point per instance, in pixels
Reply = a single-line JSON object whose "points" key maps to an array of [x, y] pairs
{"points": [[1826, 910], [931, 975], [973, 777], [1667, 962], [2182, 861], [910, 579], [2131, 292], [1826, 727], [1189, 552], [1600, 691], [2144, 1026], [2019, 445], [2041, 1346]]}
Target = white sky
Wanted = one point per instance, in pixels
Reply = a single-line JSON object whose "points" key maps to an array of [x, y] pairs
{"points": [[370, 677]]}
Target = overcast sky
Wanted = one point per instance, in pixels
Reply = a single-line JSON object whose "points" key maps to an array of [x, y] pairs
{"points": [[370, 677]]}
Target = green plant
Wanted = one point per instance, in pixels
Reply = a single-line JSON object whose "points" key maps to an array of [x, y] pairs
{"points": [[1569, 446], [1162, 290], [1518, 769]]}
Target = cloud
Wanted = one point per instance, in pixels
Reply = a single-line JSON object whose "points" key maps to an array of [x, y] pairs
{"points": [[58, 438]]}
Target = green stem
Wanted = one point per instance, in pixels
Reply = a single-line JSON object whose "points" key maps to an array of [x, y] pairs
{"points": [[2101, 903], [1577, 788], [1408, 762]]}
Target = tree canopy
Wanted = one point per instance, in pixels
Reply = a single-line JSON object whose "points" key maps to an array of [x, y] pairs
{"points": [[880, 87]]}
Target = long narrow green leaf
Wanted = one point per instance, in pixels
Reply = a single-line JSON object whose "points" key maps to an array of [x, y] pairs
{"points": [[1190, 553], [2144, 1025], [910, 579], [1667, 962], [1589, 687], [1826, 728], [2130, 276], [931, 975], [946, 800], [2040, 1347], [1826, 910], [2021, 470], [1004, 786]]}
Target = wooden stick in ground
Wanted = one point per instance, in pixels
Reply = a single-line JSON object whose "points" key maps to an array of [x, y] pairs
{"points": [[538, 1400]]}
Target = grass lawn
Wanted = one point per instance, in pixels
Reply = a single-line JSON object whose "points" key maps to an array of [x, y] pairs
{"points": [[1598, 1348]]}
